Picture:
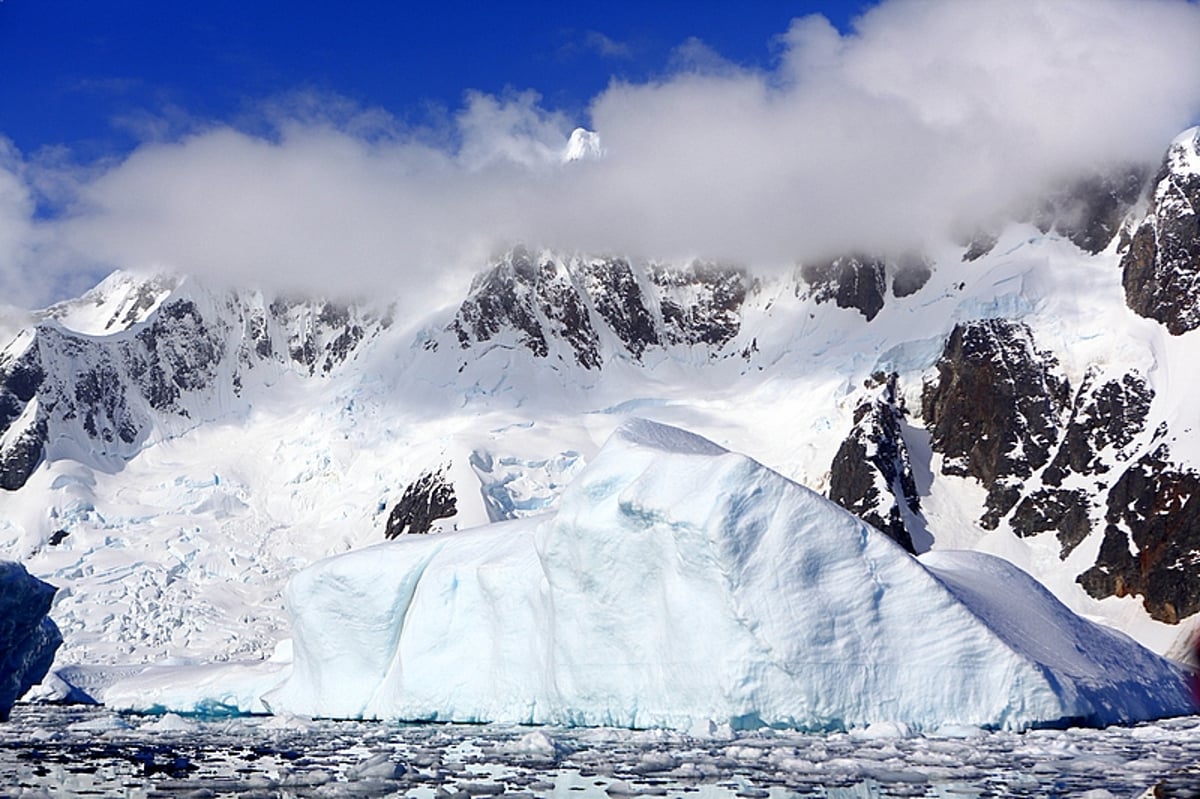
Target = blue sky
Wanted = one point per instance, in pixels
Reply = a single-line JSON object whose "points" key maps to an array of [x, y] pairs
{"points": [[369, 146], [93, 75]]}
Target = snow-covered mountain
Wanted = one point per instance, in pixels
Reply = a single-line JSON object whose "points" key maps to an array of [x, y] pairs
{"points": [[173, 451]]}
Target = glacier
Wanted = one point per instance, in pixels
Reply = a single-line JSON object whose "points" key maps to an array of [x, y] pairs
{"points": [[28, 637], [679, 584]]}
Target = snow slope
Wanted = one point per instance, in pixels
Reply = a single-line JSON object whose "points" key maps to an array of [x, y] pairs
{"points": [[680, 583]]}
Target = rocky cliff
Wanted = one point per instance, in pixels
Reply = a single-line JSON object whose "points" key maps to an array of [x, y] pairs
{"points": [[1161, 264]]}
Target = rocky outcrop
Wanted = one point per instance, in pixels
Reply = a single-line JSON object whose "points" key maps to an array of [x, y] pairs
{"points": [[910, 274], [500, 300], [871, 475], [701, 303], [1106, 418], [546, 303], [317, 336], [105, 393], [425, 500], [617, 297], [1161, 267], [1067, 512], [1090, 210], [861, 281], [995, 409], [28, 638], [1151, 544], [1000, 412], [22, 429], [997, 412], [851, 281], [979, 245]]}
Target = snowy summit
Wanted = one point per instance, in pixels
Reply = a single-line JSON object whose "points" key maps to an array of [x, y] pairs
{"points": [[583, 145]]}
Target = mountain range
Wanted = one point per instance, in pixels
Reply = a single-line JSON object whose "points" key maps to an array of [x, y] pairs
{"points": [[172, 450]]}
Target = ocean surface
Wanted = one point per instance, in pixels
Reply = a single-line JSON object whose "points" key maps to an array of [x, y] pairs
{"points": [[48, 750]]}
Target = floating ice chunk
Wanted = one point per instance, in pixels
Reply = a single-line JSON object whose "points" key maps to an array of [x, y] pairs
{"points": [[215, 689], [537, 744], [380, 766], [171, 722]]}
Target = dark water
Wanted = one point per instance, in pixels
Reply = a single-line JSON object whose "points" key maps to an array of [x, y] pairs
{"points": [[89, 751]]}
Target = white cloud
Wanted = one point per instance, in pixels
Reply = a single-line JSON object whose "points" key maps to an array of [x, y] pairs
{"points": [[606, 46], [933, 115], [16, 230]]}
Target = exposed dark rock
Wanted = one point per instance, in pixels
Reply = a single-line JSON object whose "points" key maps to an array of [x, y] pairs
{"points": [[178, 353], [1151, 545], [25, 377], [1090, 211], [425, 500], [1105, 419], [1161, 268], [994, 409], [1109, 415], [28, 638], [19, 383], [852, 281], [566, 314], [871, 475], [861, 281], [142, 300], [569, 301], [112, 387], [334, 315], [700, 304], [21, 455], [911, 275], [319, 336], [1065, 512], [618, 299], [259, 334], [980, 245], [499, 301], [340, 348]]}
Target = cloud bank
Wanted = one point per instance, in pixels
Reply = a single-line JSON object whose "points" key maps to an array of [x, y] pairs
{"points": [[930, 118]]}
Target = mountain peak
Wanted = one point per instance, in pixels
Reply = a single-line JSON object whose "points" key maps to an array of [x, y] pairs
{"points": [[584, 145]]}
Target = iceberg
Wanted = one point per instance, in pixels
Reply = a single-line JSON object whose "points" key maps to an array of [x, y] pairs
{"points": [[680, 584], [28, 638]]}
